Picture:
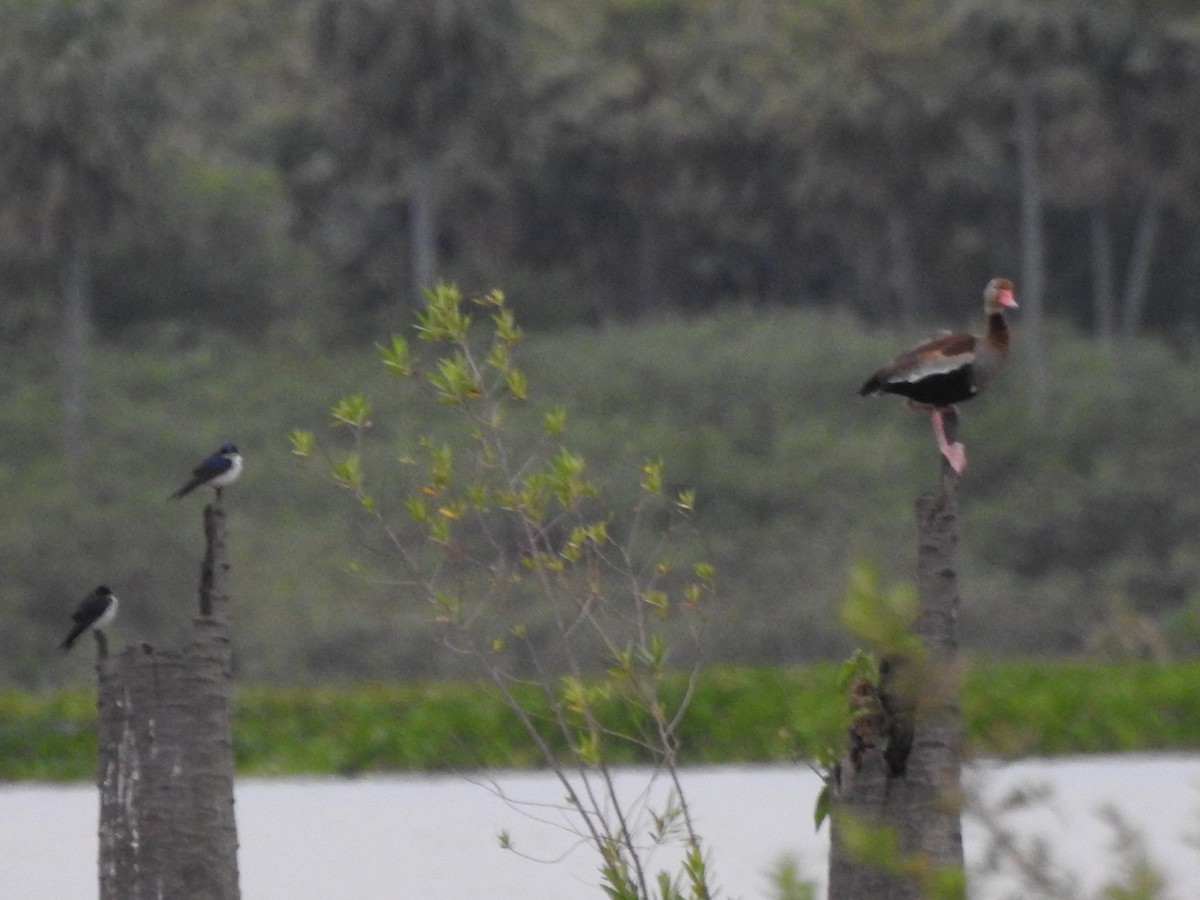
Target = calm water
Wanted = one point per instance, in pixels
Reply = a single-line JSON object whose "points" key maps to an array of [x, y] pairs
{"points": [[435, 838]]}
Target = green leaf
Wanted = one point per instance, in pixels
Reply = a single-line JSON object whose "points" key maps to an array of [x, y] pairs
{"points": [[397, 358], [418, 511], [441, 464], [555, 421], [566, 481], [347, 471], [516, 384], [499, 358], [494, 298], [442, 319], [354, 410], [590, 749], [696, 869], [821, 810], [454, 381], [506, 326], [303, 442], [652, 476], [658, 600], [655, 651], [439, 529]]}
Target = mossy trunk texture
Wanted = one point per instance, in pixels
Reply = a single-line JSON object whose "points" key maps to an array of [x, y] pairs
{"points": [[167, 825], [902, 772]]}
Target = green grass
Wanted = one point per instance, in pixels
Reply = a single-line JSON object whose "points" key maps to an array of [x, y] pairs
{"points": [[1046, 708], [758, 714]]}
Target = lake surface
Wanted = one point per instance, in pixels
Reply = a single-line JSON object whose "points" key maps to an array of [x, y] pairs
{"points": [[436, 838]]}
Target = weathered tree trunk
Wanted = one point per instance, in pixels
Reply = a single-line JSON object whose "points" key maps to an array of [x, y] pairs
{"points": [[902, 768], [423, 225], [1141, 256], [167, 825]]}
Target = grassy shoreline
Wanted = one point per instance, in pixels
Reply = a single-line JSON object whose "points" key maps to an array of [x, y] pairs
{"points": [[738, 714]]}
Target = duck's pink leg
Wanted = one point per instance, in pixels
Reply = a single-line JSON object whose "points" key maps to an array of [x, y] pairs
{"points": [[954, 452]]}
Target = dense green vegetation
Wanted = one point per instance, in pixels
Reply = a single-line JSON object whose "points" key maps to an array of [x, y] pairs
{"points": [[1076, 536], [755, 714]]}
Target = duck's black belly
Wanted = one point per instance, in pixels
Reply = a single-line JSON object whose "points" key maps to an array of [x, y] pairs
{"points": [[942, 389]]}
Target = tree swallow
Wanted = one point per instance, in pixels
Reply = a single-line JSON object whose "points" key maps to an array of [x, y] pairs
{"points": [[95, 610], [220, 469]]}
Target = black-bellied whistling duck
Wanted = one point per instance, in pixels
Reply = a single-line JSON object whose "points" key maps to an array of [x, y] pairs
{"points": [[950, 368]]}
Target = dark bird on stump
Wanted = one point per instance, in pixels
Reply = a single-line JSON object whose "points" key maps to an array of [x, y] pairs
{"points": [[220, 469], [95, 610], [950, 368]]}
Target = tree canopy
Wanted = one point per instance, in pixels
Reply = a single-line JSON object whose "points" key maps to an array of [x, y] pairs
{"points": [[633, 156]]}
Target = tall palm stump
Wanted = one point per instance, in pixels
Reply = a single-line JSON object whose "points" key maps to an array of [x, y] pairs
{"points": [[167, 825], [902, 769]]}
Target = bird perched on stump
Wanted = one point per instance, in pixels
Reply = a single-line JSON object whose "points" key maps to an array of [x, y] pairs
{"points": [[95, 610], [220, 469], [950, 368]]}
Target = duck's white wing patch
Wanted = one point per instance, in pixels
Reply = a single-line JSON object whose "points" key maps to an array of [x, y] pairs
{"points": [[933, 364]]}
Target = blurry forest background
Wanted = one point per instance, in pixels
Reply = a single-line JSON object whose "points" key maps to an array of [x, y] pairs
{"points": [[713, 219]]}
